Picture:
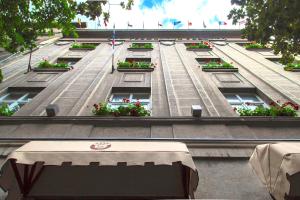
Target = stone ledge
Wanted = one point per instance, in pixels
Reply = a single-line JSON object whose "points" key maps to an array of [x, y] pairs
{"points": [[258, 49], [82, 49], [51, 69], [200, 49], [139, 49]]}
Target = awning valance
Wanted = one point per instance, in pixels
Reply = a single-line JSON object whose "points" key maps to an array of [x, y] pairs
{"points": [[101, 169], [278, 167]]}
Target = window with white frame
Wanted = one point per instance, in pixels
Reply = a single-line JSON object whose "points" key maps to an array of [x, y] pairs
{"points": [[15, 100], [123, 99], [244, 100]]}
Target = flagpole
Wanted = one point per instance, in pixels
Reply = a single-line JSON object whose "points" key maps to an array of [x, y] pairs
{"points": [[113, 47]]}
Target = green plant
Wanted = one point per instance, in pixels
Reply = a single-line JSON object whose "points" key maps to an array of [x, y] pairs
{"points": [[291, 66], [5, 111], [47, 64], [83, 46], [141, 65], [202, 45], [141, 46], [255, 46], [1, 76], [213, 64], [127, 109], [286, 109]]}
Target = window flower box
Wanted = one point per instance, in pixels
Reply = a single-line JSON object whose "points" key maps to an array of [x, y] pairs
{"points": [[83, 46], [287, 109], [293, 67], [257, 47], [5, 110], [141, 47], [203, 46], [128, 110], [46, 66], [135, 66], [219, 66]]}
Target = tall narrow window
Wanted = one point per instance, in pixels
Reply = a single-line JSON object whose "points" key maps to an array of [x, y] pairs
{"points": [[15, 100]]}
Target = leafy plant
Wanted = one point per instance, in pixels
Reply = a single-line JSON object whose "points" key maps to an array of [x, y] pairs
{"points": [[21, 22], [47, 64], [83, 46], [141, 46], [255, 46], [140, 65], [127, 109], [202, 45], [1, 76], [213, 64], [286, 109], [269, 21], [5, 111], [291, 66]]}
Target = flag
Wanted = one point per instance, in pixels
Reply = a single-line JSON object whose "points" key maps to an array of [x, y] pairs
{"points": [[222, 23], [204, 25], [190, 23], [159, 24], [176, 23], [129, 25], [113, 37]]}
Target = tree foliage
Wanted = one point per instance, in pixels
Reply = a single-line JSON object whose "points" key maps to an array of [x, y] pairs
{"points": [[21, 22], [271, 21]]}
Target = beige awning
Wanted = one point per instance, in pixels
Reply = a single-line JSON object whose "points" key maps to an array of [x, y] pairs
{"points": [[278, 167], [101, 169]]}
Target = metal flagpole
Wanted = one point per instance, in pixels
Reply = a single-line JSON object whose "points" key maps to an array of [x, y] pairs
{"points": [[113, 47]]}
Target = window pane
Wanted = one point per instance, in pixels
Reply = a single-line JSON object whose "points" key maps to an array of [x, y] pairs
{"points": [[13, 96], [140, 97], [120, 97], [231, 98], [249, 98]]}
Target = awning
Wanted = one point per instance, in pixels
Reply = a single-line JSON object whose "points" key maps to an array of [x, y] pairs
{"points": [[278, 167], [95, 170]]}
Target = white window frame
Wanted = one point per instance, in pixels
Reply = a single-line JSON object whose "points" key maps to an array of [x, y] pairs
{"points": [[243, 103], [121, 103]]}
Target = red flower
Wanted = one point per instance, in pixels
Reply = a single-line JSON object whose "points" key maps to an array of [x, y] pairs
{"points": [[127, 101], [248, 103], [296, 107], [272, 103], [138, 104], [96, 106], [234, 109]]}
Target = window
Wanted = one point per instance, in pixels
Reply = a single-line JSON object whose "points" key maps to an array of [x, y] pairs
{"points": [[15, 100], [244, 100], [117, 99]]}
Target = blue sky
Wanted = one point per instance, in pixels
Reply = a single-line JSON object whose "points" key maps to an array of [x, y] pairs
{"points": [[151, 12]]}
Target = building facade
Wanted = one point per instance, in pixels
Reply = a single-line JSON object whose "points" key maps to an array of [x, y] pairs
{"points": [[220, 140]]}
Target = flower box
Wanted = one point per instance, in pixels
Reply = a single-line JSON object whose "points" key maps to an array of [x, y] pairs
{"points": [[130, 110], [135, 69], [199, 49], [256, 47], [218, 66], [203, 46], [141, 47], [207, 69], [133, 66], [46, 66], [292, 67], [84, 46]]}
